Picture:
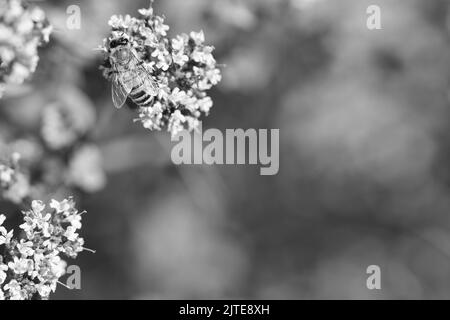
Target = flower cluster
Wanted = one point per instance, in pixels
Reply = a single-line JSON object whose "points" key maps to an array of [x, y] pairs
{"points": [[183, 69], [30, 168], [22, 30], [85, 169], [31, 266], [65, 127]]}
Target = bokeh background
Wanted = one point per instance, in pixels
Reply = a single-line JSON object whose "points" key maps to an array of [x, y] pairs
{"points": [[364, 154]]}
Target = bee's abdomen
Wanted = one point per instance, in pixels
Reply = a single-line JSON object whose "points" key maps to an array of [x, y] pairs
{"points": [[141, 97]]}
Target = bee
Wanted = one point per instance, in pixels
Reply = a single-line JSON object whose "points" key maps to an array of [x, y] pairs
{"points": [[130, 77]]}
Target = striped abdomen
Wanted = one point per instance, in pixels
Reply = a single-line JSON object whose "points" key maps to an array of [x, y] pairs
{"points": [[141, 96]]}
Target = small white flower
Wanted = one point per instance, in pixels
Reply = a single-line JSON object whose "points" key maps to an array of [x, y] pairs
{"points": [[62, 206], [180, 58], [146, 12], [204, 55], [26, 248], [120, 21], [6, 175], [160, 27], [179, 43], [151, 38], [176, 123], [44, 290], [177, 95], [21, 265], [26, 26], [18, 190], [182, 67], [46, 32], [86, 169], [205, 104], [22, 30], [198, 37], [71, 233], [75, 221], [28, 226], [57, 266], [3, 269], [51, 244], [42, 220], [5, 237], [15, 290], [35, 265]]}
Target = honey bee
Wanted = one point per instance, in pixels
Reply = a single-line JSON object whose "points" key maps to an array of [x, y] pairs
{"points": [[130, 77]]}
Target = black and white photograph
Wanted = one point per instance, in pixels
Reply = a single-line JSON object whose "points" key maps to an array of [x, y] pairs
{"points": [[224, 150]]}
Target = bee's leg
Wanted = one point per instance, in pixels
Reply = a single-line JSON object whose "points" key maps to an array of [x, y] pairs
{"points": [[132, 106]]}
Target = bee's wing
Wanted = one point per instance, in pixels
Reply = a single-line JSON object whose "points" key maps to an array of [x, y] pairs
{"points": [[145, 76], [119, 92], [149, 82]]}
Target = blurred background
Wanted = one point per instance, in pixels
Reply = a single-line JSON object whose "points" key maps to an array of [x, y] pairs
{"points": [[364, 154]]}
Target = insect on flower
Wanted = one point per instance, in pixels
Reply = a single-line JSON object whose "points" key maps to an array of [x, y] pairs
{"points": [[167, 78], [130, 77]]}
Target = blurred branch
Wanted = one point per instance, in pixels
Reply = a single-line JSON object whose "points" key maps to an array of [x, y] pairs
{"points": [[126, 153], [203, 185]]}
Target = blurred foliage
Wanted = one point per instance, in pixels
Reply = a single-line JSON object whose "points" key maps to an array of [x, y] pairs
{"points": [[364, 177]]}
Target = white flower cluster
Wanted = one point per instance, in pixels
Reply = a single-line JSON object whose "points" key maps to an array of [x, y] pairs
{"points": [[57, 131], [22, 30], [30, 267], [183, 68], [64, 131], [85, 169]]}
